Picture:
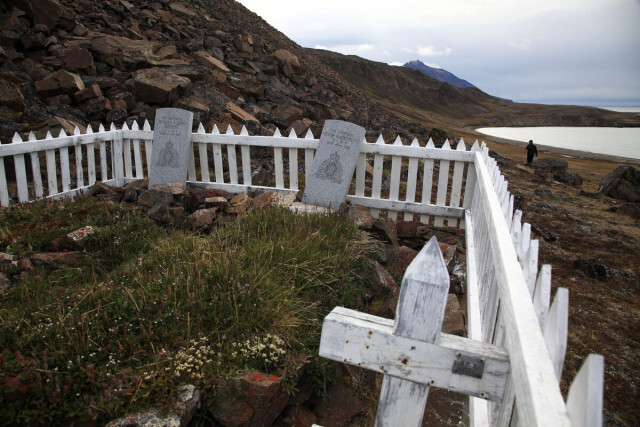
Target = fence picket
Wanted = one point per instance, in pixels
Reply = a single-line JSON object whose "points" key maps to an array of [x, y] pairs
{"points": [[35, 169], [245, 152], [4, 188], [217, 157], [137, 154], [542, 294], [556, 329], [126, 151], [78, 158], [427, 182], [394, 188], [412, 180], [584, 401], [361, 174], [456, 184], [308, 156], [148, 144], [293, 164], [21, 172], [231, 159], [204, 160], [443, 180], [376, 185]]}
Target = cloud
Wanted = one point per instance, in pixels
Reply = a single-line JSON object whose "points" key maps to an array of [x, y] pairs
{"points": [[396, 63], [432, 51], [522, 44], [365, 47], [320, 46]]}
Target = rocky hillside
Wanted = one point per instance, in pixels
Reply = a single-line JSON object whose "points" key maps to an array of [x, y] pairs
{"points": [[68, 62], [438, 74], [420, 98]]}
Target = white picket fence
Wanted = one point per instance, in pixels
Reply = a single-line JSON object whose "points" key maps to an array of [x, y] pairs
{"points": [[508, 298]]}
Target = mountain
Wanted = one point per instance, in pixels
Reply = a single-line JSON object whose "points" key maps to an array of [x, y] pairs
{"points": [[438, 74]]}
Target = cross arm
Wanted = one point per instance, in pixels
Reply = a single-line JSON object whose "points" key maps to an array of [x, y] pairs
{"points": [[367, 341]]}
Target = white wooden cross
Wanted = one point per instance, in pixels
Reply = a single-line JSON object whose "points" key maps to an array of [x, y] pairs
{"points": [[411, 351]]}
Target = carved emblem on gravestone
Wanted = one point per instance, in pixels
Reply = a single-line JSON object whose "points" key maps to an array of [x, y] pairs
{"points": [[330, 169], [168, 156]]}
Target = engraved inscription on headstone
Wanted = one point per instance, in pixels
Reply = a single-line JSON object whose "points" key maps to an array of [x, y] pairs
{"points": [[171, 144], [334, 164]]}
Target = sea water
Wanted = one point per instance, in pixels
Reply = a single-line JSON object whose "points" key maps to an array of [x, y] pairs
{"points": [[621, 142]]}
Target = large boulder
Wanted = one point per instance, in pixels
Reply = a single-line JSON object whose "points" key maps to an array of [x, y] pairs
{"points": [[125, 54], [557, 170], [159, 86], [42, 12], [623, 184]]}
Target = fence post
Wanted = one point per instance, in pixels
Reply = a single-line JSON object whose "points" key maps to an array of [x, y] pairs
{"points": [[118, 158]]}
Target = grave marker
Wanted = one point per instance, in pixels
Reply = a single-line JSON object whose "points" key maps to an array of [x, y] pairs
{"points": [[411, 351], [171, 145], [334, 164]]}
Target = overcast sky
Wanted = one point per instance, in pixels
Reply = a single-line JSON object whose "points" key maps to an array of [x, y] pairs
{"points": [[583, 52]]}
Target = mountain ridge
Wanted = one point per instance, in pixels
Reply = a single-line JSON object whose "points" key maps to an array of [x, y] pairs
{"points": [[438, 73]]}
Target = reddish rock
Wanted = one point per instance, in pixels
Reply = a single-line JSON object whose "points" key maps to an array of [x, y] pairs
{"points": [[54, 259], [361, 216], [287, 112], [398, 259], [339, 407], [209, 61], [43, 12], [238, 113], [385, 230], [453, 322], [60, 82], [159, 86], [300, 126], [264, 200], [80, 59], [286, 57], [90, 92], [202, 217], [123, 53], [298, 416], [407, 229], [257, 400], [11, 96]]}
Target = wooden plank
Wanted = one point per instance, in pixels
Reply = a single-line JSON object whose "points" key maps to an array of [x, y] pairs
{"points": [[308, 155], [412, 180], [427, 182], [538, 395], [245, 152], [51, 143], [191, 170], [293, 163], [456, 184], [421, 307], [126, 151], [204, 158], [64, 169], [117, 156], [91, 163], [584, 401], [104, 173], [478, 408], [394, 188], [376, 184], [400, 206], [542, 294], [278, 164], [52, 176], [556, 328], [275, 141], [4, 189], [443, 181], [361, 174], [79, 166]]}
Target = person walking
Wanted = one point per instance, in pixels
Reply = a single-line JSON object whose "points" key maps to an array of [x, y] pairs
{"points": [[531, 151]]}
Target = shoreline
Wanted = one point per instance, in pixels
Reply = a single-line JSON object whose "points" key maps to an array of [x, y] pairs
{"points": [[565, 152]]}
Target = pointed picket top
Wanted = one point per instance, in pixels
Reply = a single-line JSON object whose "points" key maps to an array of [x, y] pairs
{"points": [[475, 146], [112, 127], [398, 141], [32, 136], [215, 130], [62, 133], [380, 140], [461, 145], [135, 126], [124, 126], [229, 130], [415, 143], [292, 134], [277, 133], [49, 136], [76, 131], [89, 130], [446, 145], [201, 128], [244, 131], [430, 144], [16, 138], [309, 134], [147, 125], [101, 128]]}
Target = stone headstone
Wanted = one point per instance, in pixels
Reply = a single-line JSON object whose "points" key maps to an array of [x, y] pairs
{"points": [[171, 144], [334, 164]]}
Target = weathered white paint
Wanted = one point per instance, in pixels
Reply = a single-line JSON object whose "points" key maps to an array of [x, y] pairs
{"points": [[584, 401]]}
